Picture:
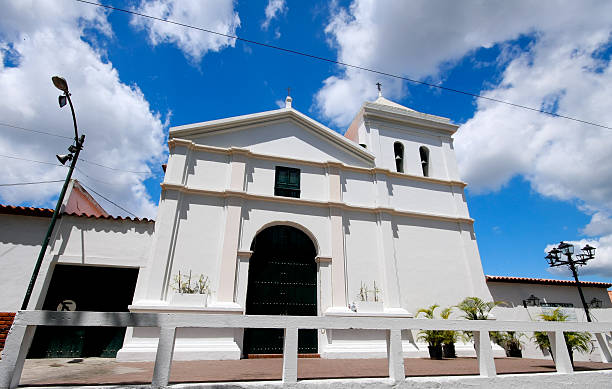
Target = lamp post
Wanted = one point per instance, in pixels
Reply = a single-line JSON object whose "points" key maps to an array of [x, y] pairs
{"points": [[555, 259], [73, 156]]}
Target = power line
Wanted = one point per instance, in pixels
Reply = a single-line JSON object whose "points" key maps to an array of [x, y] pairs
{"points": [[32, 183], [107, 199], [31, 160], [67, 137], [57, 164], [348, 65], [91, 178], [112, 168], [31, 130]]}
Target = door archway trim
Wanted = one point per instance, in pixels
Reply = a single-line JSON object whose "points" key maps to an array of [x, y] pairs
{"points": [[300, 227]]}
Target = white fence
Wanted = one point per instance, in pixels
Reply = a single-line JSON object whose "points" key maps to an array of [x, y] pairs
{"points": [[21, 333]]}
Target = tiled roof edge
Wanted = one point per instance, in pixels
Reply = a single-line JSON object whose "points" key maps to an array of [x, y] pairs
{"points": [[46, 212], [544, 281], [135, 219], [25, 211]]}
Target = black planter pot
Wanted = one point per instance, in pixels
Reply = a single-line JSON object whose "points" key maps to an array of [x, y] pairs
{"points": [[448, 350], [435, 352], [514, 351]]}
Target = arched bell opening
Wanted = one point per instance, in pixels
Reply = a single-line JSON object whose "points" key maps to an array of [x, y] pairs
{"points": [[282, 281]]}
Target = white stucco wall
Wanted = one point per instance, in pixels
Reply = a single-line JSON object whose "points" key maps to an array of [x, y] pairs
{"points": [[20, 240], [76, 240], [513, 294]]}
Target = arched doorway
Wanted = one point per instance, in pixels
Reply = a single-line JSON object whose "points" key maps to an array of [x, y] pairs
{"points": [[282, 281]]}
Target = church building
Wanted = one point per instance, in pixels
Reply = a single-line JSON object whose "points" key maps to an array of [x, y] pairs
{"points": [[284, 216], [273, 213]]}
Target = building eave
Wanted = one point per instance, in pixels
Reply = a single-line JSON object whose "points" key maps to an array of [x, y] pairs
{"points": [[410, 118], [543, 281]]}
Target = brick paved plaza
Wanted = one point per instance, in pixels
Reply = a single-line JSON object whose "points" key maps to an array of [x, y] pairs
{"points": [[41, 372]]}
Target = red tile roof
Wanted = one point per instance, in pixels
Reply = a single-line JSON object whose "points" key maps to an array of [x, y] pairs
{"points": [[25, 211], [109, 217], [544, 281], [46, 212]]}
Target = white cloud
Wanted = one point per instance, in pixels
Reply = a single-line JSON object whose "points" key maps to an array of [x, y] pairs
{"points": [[560, 70], [215, 15], [420, 38], [45, 38], [273, 9]]}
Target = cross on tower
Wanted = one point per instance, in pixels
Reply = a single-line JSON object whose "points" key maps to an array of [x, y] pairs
{"points": [[379, 85], [288, 91]]}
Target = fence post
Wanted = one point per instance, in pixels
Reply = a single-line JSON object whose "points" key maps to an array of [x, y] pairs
{"points": [[395, 355], [290, 355], [482, 343], [163, 357], [14, 354], [603, 347], [559, 351]]}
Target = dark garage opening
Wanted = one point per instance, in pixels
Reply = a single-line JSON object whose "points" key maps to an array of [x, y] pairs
{"points": [[85, 288]]}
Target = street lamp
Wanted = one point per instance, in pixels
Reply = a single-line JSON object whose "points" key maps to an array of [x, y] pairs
{"points": [[74, 150], [532, 301], [555, 259], [595, 303]]}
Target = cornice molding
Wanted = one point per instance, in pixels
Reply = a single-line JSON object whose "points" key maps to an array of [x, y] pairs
{"points": [[417, 119], [374, 170], [313, 203]]}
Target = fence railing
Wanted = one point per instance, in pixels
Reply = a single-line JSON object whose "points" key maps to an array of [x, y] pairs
{"points": [[21, 333]]}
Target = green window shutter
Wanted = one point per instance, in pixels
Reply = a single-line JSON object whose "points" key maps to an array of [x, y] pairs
{"points": [[287, 182]]}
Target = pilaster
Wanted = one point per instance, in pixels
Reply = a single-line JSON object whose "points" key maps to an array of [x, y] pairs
{"points": [[159, 265], [231, 234], [388, 263]]}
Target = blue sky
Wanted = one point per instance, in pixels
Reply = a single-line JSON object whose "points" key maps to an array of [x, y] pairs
{"points": [[533, 180]]}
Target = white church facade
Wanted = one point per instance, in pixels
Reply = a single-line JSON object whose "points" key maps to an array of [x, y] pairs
{"points": [[277, 214], [382, 206]]}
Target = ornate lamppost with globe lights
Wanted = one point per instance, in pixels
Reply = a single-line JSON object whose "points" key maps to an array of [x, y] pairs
{"points": [[555, 259]]}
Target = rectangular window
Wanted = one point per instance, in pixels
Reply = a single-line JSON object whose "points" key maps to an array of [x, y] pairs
{"points": [[287, 182]]}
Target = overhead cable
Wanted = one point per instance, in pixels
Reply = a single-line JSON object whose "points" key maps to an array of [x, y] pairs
{"points": [[31, 183], [472, 94], [107, 199], [67, 137], [31, 160], [31, 130], [112, 168]]}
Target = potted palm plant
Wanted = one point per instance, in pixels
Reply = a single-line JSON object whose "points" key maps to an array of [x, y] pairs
{"points": [[475, 308], [449, 337], [511, 342], [575, 341], [434, 338]]}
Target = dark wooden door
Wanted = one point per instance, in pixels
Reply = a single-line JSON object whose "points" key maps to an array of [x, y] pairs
{"points": [[282, 281], [87, 288]]}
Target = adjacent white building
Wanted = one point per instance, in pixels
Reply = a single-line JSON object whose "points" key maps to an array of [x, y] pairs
{"points": [[276, 214]]}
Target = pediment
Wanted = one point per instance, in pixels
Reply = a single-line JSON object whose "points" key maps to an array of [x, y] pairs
{"points": [[284, 133]]}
